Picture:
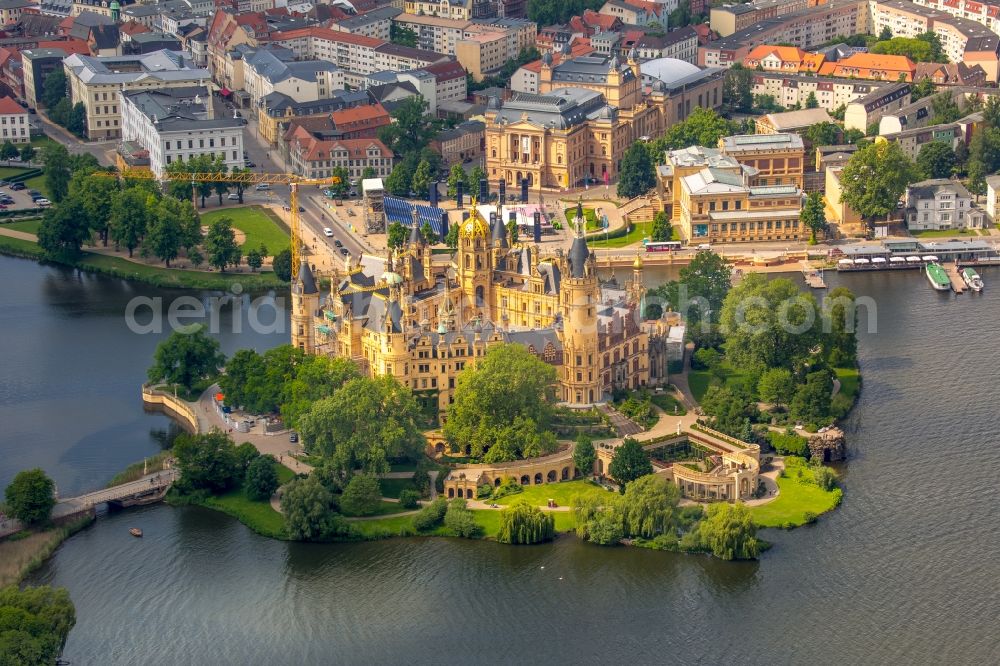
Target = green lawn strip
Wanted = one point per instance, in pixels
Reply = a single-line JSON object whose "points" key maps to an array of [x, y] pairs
{"points": [[799, 501], [392, 487], [589, 215], [284, 475], [9, 172], [17, 247], [27, 226], [943, 233], [562, 493], [639, 231], [849, 381], [255, 224], [39, 142], [258, 516], [698, 381], [488, 518]]}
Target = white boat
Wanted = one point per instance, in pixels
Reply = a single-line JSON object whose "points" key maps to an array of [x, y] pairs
{"points": [[972, 279]]}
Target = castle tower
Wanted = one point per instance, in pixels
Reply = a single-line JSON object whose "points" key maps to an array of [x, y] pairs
{"points": [[305, 304], [579, 296], [498, 238], [395, 354], [635, 288], [474, 274]]}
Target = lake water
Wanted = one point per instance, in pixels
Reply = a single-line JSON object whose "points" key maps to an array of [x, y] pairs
{"points": [[904, 571]]}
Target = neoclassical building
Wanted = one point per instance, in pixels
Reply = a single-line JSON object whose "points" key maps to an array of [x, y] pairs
{"points": [[587, 112], [402, 315]]}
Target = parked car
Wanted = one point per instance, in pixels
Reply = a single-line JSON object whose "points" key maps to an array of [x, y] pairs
{"points": [[248, 164], [294, 437], [344, 251], [233, 196], [301, 209], [17, 186], [328, 232], [262, 186], [4, 183], [43, 202], [338, 243]]}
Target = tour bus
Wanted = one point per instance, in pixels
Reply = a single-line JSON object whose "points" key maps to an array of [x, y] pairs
{"points": [[663, 246]]}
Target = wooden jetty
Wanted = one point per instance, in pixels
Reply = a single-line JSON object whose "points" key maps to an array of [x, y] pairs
{"points": [[813, 276], [955, 275]]}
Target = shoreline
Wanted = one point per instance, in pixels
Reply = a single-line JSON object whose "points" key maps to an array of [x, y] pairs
{"points": [[23, 555], [156, 276]]}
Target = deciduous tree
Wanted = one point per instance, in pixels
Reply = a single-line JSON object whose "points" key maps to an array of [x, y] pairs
{"points": [[220, 244], [261, 478], [875, 177], [584, 455], [936, 160], [207, 462], [629, 463], [185, 358], [522, 523], [813, 215], [636, 175], [30, 496], [310, 511], [362, 496]]}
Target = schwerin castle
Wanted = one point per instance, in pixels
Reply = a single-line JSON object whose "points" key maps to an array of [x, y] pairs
{"points": [[422, 323]]}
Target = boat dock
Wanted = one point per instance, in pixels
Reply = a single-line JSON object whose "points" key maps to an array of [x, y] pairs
{"points": [[813, 276], [955, 275]]}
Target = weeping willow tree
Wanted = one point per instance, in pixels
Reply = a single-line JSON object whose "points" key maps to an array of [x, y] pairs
{"points": [[523, 523]]}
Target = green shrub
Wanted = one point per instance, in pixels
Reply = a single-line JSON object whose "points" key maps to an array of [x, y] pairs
{"points": [[825, 478], [409, 499], [484, 491], [431, 515], [460, 520], [362, 496], [508, 486]]}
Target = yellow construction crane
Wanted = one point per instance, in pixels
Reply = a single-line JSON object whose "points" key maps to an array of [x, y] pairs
{"points": [[246, 178]]}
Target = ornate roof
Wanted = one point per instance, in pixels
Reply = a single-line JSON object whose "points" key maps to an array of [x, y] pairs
{"points": [[475, 226]]}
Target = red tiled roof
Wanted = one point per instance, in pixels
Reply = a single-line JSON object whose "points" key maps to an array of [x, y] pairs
{"points": [[70, 46], [357, 113], [313, 149], [9, 106], [444, 71]]}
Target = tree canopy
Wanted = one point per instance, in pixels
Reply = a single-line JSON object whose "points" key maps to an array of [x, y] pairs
{"points": [[628, 463], [207, 462], [700, 290], [34, 624], [875, 177], [310, 511], [813, 215], [636, 175], [522, 523], [504, 402], [30, 496], [936, 160], [186, 358]]}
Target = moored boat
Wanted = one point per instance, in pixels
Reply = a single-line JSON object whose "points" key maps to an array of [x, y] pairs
{"points": [[937, 276], [135, 531], [972, 279]]}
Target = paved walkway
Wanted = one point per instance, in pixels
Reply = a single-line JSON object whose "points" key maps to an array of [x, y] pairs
{"points": [[22, 235]]}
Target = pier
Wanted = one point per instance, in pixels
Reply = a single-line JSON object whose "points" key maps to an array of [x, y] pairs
{"points": [[813, 276], [955, 275]]}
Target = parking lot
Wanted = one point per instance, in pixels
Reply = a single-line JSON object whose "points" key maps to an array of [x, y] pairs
{"points": [[18, 199]]}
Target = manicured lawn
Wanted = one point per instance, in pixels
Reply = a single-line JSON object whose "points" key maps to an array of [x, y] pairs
{"points": [[39, 142], [667, 403], [256, 223], [28, 226], [488, 518], [284, 475], [639, 231], [589, 215], [258, 516], [392, 487], [563, 493], [799, 496], [943, 233], [386, 509], [700, 380], [849, 380]]}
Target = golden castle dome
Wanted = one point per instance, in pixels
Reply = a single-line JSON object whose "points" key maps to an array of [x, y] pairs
{"points": [[475, 225], [638, 261]]}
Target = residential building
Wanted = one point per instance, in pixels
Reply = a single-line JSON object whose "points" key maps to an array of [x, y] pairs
{"points": [[913, 140], [455, 9], [10, 10], [461, 144], [941, 203], [787, 59], [375, 24], [727, 19], [526, 78], [435, 33], [313, 157], [482, 54], [791, 121], [97, 81], [951, 74], [351, 53], [37, 64], [226, 32], [681, 44], [179, 123], [14, 126], [270, 70], [865, 111], [917, 114], [778, 159], [398, 58], [637, 12], [450, 81], [993, 197], [838, 214], [873, 66], [790, 90], [278, 110]]}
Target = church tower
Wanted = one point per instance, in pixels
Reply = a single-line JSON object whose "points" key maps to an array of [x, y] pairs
{"points": [[305, 304], [579, 296], [474, 274]]}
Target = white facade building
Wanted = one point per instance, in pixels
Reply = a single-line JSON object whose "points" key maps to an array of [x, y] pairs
{"points": [[179, 123], [941, 203]]}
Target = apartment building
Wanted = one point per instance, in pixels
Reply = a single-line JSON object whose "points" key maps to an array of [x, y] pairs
{"points": [[777, 159], [482, 54], [266, 71], [376, 23], [681, 44], [455, 9], [14, 125], [637, 12], [869, 109], [830, 93], [97, 81], [314, 157], [351, 53], [464, 142], [435, 33]]}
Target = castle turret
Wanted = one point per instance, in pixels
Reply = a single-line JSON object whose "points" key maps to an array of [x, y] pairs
{"points": [[305, 304], [579, 295], [474, 275], [635, 288]]}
